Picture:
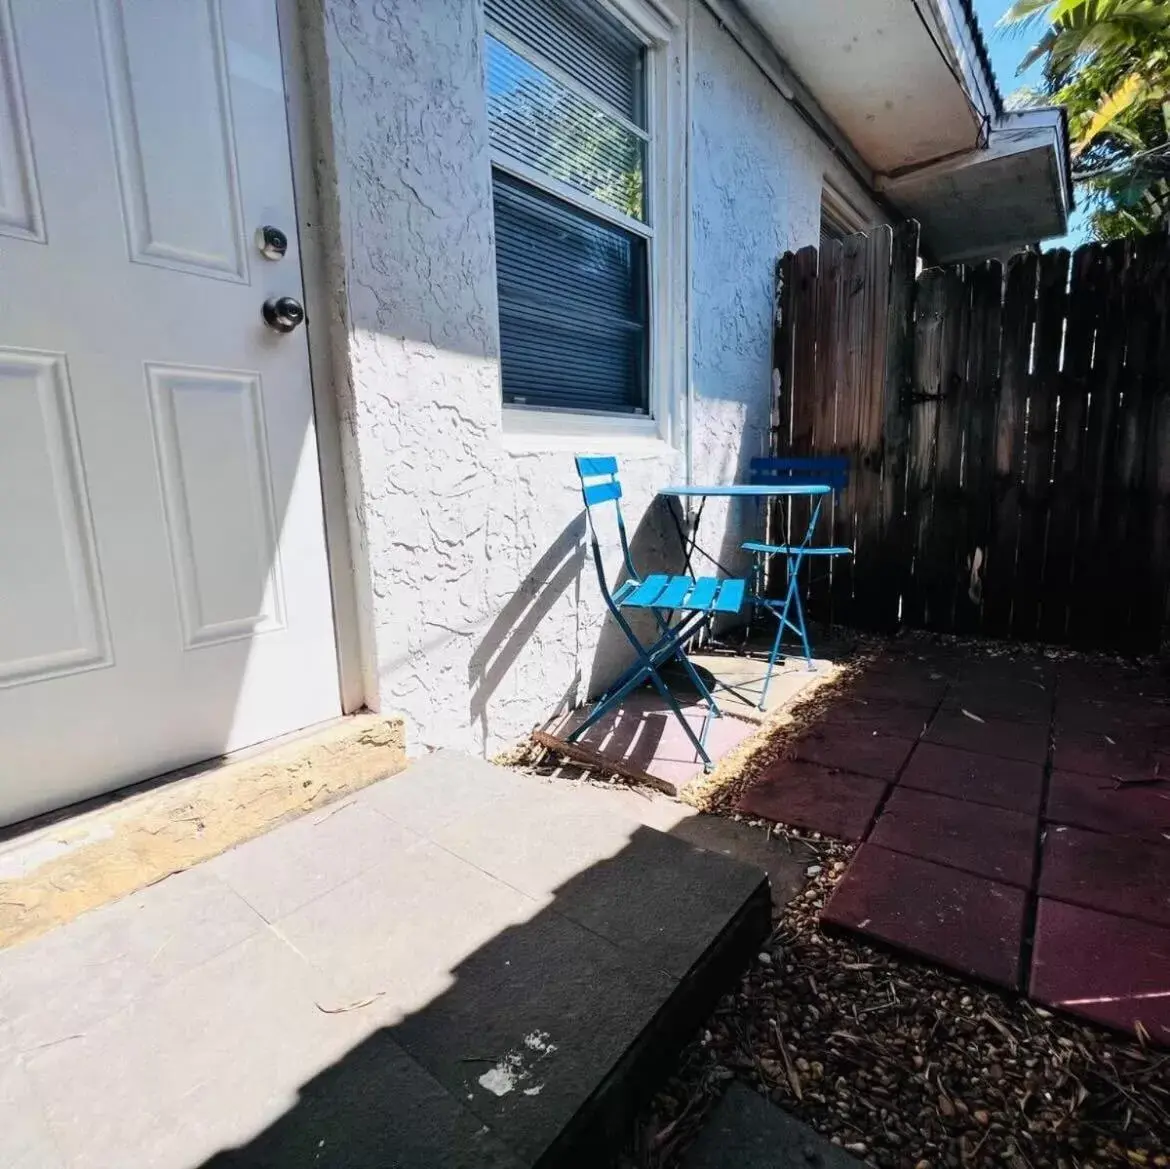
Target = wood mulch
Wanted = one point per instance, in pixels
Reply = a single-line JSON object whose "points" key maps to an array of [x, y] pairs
{"points": [[910, 1067]]}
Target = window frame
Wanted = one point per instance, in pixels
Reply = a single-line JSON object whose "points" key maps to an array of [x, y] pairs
{"points": [[648, 25]]}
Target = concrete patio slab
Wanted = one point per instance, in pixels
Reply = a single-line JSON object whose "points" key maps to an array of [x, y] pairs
{"points": [[1098, 803], [25, 1139], [70, 980], [737, 681], [971, 924], [856, 749], [804, 795], [1027, 742], [1115, 874], [986, 841], [1110, 969], [644, 734], [298, 862], [979, 779], [416, 1006], [745, 1131]]}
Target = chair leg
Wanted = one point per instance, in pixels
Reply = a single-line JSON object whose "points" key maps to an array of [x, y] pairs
{"points": [[692, 673], [803, 631], [696, 740]]}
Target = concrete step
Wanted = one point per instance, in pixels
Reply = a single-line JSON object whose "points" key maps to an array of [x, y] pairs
{"points": [[745, 1131], [458, 966]]}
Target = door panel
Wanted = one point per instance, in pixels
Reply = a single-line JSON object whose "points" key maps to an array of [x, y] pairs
{"points": [[157, 450], [52, 620]]}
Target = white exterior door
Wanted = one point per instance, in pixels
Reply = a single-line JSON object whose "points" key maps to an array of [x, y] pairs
{"points": [[164, 592]]}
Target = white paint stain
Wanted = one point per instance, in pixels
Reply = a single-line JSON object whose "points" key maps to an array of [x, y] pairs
{"points": [[511, 1071], [539, 1041]]}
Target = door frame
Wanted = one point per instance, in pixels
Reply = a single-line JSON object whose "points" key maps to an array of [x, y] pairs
{"points": [[330, 462]]}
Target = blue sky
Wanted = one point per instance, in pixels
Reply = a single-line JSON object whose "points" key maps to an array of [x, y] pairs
{"points": [[1008, 48]]}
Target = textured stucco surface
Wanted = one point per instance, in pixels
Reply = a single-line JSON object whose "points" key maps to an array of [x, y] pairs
{"points": [[480, 613]]}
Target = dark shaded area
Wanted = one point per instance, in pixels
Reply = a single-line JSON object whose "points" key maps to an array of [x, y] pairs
{"points": [[744, 1131], [620, 968]]}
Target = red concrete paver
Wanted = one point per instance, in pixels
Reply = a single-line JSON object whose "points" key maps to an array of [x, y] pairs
{"points": [[1098, 803], [1115, 874], [804, 795], [980, 779], [1097, 753], [1118, 718], [969, 923], [989, 842], [854, 748], [1113, 970], [900, 684], [886, 718], [991, 736], [1015, 701]]}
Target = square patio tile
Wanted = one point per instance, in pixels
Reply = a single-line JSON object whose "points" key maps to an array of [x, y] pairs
{"points": [[1012, 700], [200, 1065], [644, 733], [1133, 756], [991, 736], [67, 981], [989, 842], [1096, 802], [874, 716], [297, 862], [854, 748], [901, 683], [804, 795], [1110, 969], [979, 779], [1142, 718], [964, 922], [1115, 874]]}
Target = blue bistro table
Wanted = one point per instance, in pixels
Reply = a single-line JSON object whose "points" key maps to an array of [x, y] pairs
{"points": [[788, 611], [701, 491]]}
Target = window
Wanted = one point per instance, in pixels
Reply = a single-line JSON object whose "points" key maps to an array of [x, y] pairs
{"points": [[567, 108]]}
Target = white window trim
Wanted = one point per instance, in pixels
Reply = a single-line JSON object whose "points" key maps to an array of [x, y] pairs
{"points": [[525, 426]]}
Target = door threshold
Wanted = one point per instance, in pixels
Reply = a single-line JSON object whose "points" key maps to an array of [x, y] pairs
{"points": [[60, 865]]}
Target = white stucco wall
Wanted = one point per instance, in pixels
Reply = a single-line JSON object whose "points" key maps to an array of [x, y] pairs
{"points": [[479, 610]]}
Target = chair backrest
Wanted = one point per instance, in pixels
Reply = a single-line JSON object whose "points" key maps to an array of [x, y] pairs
{"points": [[600, 486], [831, 470]]}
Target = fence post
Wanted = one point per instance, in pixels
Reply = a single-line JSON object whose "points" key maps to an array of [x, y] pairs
{"points": [[892, 565]]}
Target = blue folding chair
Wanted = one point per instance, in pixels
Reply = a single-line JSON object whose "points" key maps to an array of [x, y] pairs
{"points": [[818, 471], [664, 596]]}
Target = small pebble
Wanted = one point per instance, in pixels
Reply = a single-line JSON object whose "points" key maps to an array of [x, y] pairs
{"points": [[764, 958], [858, 1147], [813, 870]]}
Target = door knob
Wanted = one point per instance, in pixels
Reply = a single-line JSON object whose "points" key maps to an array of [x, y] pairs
{"points": [[282, 313]]}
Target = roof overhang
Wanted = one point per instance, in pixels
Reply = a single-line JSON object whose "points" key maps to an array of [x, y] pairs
{"points": [[1016, 191], [909, 86]]}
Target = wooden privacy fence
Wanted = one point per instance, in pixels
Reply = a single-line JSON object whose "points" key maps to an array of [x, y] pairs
{"points": [[1009, 434]]}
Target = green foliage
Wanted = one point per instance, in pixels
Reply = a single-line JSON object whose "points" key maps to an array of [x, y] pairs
{"points": [[1108, 63]]}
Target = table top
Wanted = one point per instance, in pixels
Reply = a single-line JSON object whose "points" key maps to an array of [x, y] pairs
{"points": [[733, 489]]}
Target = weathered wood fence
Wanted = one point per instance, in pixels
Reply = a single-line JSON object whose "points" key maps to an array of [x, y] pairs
{"points": [[1009, 433]]}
